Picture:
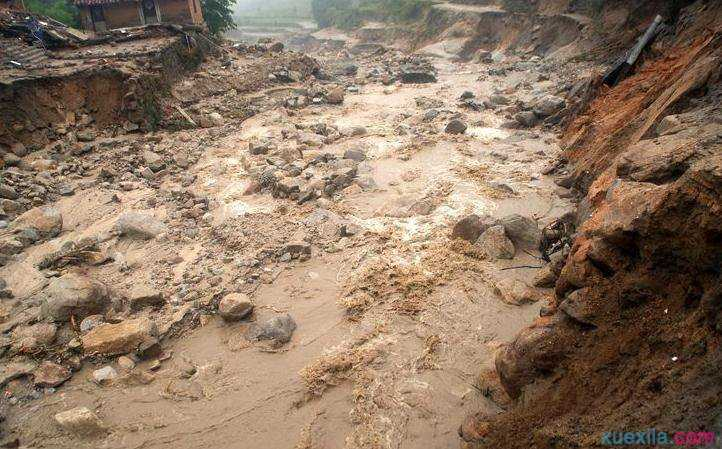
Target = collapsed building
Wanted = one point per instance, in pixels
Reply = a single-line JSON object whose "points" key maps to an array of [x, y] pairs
{"points": [[103, 15]]}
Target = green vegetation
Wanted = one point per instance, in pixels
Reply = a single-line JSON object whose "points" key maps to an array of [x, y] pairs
{"points": [[60, 10], [218, 15], [349, 14]]}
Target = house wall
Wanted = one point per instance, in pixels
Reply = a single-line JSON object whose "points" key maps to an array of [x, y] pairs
{"points": [[120, 15], [175, 11]]}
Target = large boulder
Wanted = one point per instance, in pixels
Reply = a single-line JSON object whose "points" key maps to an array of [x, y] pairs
{"points": [[74, 294], [549, 105], [47, 221], [522, 230], [471, 227], [116, 339], [495, 244], [536, 350]]}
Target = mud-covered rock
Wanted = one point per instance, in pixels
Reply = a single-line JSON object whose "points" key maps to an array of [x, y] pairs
{"points": [[141, 296], [278, 329], [522, 230], [549, 105], [115, 339], [495, 244], [335, 95], [515, 292], [235, 307], [80, 421], [545, 277], [534, 351], [50, 375], [33, 339], [47, 221], [74, 294], [139, 225]]}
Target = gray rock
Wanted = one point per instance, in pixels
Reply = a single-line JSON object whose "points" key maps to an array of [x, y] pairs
{"points": [[417, 76], [355, 155], [297, 250], [11, 160], [526, 118], [91, 322], [235, 307], [467, 95], [278, 329], [495, 244], [73, 294], [85, 136], [8, 192], [455, 127], [471, 227], [105, 375], [549, 105], [422, 207], [668, 125], [498, 100], [153, 160], [215, 119], [19, 150], [134, 224], [11, 246], [522, 230], [257, 148]]}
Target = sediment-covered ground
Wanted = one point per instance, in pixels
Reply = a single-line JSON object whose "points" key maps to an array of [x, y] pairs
{"points": [[461, 240]]}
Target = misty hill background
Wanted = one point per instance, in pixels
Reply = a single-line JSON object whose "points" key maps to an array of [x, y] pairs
{"points": [[273, 8]]}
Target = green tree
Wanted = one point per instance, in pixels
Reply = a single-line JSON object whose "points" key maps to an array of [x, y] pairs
{"points": [[60, 10], [218, 15]]}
